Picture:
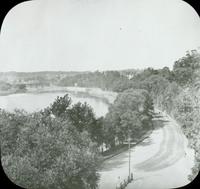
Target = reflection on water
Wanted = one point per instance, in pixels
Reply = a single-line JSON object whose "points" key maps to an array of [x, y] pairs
{"points": [[35, 102]]}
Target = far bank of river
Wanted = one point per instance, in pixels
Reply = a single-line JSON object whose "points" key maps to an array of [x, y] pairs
{"points": [[34, 100]]}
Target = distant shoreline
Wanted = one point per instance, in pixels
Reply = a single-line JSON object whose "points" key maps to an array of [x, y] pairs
{"points": [[107, 96]]}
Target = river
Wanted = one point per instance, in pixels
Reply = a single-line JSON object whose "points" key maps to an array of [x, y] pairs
{"points": [[31, 102]]}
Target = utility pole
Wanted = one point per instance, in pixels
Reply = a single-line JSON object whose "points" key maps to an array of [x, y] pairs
{"points": [[129, 149]]}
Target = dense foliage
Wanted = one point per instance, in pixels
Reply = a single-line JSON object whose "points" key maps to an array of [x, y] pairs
{"points": [[47, 149], [177, 92], [181, 99], [129, 116]]}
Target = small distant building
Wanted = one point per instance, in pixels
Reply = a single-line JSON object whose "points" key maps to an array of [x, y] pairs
{"points": [[130, 76], [140, 108]]}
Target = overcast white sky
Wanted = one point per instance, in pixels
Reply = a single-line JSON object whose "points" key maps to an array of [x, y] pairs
{"points": [[97, 34]]}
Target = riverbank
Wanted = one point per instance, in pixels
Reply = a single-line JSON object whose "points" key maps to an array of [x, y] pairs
{"points": [[107, 96], [35, 100]]}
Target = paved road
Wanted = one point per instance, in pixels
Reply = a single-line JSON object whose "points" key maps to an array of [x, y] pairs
{"points": [[161, 161]]}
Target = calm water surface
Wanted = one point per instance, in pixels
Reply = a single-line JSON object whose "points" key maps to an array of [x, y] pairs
{"points": [[35, 102]]}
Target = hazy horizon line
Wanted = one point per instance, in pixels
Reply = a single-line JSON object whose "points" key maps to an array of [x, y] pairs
{"points": [[136, 69]]}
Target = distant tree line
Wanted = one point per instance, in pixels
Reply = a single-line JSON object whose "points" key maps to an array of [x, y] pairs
{"points": [[12, 88], [106, 80]]}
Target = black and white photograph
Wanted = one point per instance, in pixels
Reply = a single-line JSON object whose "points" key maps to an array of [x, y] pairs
{"points": [[100, 94]]}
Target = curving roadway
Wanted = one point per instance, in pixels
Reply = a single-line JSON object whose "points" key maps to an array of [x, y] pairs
{"points": [[161, 161]]}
